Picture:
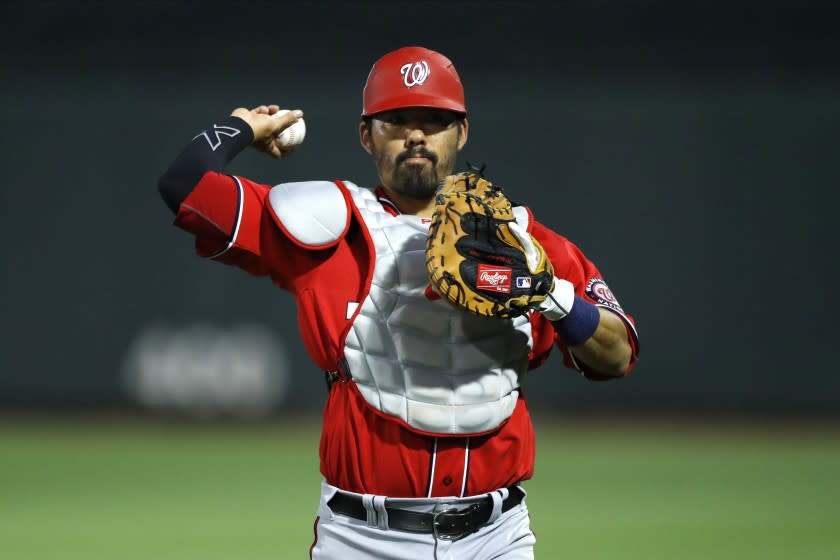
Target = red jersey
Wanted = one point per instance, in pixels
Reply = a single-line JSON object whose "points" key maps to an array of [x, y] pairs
{"points": [[362, 449]]}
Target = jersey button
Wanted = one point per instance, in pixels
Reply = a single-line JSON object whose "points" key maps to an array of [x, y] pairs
{"points": [[447, 480]]}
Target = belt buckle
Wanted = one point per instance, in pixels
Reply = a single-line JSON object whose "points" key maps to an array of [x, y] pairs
{"points": [[456, 525]]}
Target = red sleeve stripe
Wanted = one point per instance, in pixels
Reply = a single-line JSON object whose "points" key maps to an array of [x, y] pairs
{"points": [[240, 202]]}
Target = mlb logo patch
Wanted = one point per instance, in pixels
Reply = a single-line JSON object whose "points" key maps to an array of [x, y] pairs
{"points": [[494, 278], [523, 281]]}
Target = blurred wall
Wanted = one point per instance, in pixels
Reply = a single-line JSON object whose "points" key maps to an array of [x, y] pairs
{"points": [[689, 150]]}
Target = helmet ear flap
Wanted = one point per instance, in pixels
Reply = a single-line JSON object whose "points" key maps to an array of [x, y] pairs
{"points": [[413, 77]]}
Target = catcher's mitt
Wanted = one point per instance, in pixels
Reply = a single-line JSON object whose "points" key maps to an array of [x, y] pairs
{"points": [[478, 257]]}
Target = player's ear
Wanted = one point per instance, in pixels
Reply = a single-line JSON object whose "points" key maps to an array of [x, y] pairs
{"points": [[364, 137], [463, 132]]}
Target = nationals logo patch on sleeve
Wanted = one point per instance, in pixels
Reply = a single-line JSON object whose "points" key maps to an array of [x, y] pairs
{"points": [[598, 290]]}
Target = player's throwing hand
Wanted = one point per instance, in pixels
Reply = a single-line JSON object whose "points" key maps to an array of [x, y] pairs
{"points": [[266, 127]]}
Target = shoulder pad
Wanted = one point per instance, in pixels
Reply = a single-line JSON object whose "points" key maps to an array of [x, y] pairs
{"points": [[522, 217], [314, 214]]}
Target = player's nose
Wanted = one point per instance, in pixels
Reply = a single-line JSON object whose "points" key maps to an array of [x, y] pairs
{"points": [[415, 137]]}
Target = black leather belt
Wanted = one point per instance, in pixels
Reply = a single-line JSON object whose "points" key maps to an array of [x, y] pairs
{"points": [[450, 524]]}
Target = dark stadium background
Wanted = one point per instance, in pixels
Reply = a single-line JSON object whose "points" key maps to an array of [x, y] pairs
{"points": [[690, 149]]}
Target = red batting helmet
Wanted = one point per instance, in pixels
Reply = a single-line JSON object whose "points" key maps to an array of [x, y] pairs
{"points": [[413, 77]]}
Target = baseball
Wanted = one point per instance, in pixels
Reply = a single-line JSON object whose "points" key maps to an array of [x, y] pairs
{"points": [[293, 135]]}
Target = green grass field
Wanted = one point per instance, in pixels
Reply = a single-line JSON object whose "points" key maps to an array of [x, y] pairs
{"points": [[139, 491]]}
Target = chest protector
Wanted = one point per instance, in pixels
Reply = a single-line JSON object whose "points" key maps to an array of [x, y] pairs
{"points": [[438, 369]]}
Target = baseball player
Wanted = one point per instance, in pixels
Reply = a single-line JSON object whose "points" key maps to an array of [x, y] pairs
{"points": [[426, 432]]}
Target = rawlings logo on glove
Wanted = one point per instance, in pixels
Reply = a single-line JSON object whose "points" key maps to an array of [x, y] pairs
{"points": [[478, 257]]}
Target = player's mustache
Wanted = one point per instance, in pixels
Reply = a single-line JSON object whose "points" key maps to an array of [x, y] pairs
{"points": [[417, 152]]}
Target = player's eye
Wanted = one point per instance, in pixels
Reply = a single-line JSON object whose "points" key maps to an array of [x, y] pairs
{"points": [[443, 119]]}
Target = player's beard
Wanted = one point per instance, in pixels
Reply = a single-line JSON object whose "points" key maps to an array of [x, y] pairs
{"points": [[416, 181]]}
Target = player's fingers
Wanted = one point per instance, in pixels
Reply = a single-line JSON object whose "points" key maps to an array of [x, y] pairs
{"points": [[273, 150], [286, 120], [272, 109], [262, 109]]}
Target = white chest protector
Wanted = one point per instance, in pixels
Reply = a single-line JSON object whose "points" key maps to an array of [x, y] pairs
{"points": [[438, 369]]}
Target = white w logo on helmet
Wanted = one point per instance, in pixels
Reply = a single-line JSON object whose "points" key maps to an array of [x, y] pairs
{"points": [[415, 73]]}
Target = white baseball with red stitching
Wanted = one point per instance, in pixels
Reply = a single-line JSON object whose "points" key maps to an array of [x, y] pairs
{"points": [[293, 135]]}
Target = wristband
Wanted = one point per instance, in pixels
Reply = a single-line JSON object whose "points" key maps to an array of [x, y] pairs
{"points": [[580, 324]]}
